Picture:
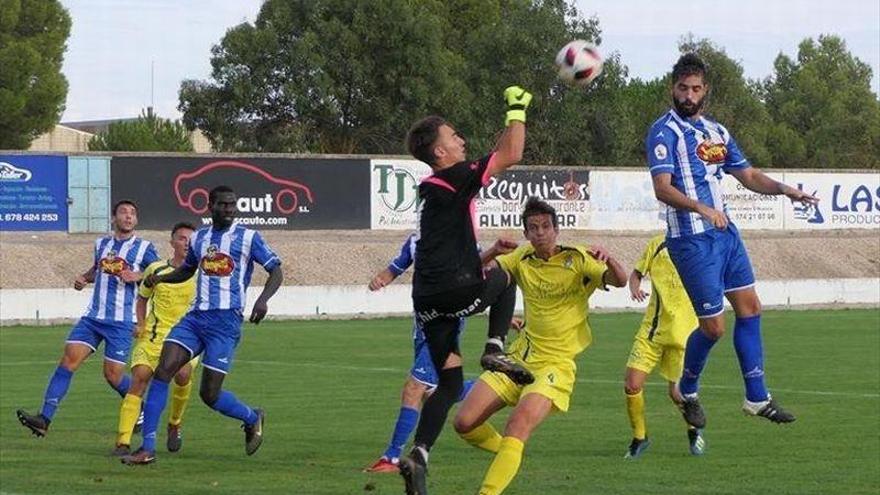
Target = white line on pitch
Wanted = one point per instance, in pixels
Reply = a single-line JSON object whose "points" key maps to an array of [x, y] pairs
{"points": [[579, 380]]}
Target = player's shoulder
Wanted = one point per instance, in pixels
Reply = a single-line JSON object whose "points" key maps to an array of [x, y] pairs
{"points": [[657, 242], [661, 128], [154, 266], [718, 127]]}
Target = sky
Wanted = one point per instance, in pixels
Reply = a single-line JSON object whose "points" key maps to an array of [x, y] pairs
{"points": [[114, 43]]}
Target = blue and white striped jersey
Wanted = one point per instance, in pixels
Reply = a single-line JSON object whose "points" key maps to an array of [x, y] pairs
{"points": [[225, 263], [113, 299], [695, 152]]}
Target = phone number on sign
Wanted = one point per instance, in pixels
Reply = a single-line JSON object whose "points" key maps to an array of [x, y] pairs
{"points": [[30, 217]]}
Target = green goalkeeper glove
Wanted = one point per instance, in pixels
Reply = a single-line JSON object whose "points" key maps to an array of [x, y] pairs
{"points": [[517, 100]]}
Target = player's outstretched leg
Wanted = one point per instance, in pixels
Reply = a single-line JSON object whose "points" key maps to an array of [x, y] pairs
{"points": [[180, 392]]}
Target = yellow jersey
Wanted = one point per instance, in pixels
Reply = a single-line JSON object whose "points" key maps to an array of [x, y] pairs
{"points": [[167, 302], [669, 318], [555, 295]]}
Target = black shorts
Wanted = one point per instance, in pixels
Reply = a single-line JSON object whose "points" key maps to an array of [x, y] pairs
{"points": [[438, 314]]}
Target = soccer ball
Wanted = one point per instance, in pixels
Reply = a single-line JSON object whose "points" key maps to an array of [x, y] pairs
{"points": [[579, 62]]}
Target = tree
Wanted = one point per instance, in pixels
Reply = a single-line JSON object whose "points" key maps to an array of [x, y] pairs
{"points": [[33, 34], [147, 133], [341, 76], [824, 112]]}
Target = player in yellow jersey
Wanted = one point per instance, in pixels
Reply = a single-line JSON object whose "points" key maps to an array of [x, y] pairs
{"points": [[556, 283], [167, 305], [661, 339]]}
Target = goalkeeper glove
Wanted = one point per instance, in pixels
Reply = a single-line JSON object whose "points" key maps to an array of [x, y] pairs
{"points": [[517, 100]]}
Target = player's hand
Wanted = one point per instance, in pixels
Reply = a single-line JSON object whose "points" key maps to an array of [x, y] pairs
{"points": [[80, 283], [517, 323], [800, 196], [599, 252], [381, 279], [139, 330], [637, 294], [259, 311], [129, 276], [517, 100], [713, 216], [151, 280], [504, 246]]}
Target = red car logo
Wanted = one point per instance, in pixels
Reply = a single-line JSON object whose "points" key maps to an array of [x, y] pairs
{"points": [[287, 198]]}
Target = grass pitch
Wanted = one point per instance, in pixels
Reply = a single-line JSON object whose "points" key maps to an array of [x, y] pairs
{"points": [[331, 391]]}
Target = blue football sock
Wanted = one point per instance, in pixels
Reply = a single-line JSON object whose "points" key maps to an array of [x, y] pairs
{"points": [[157, 397], [468, 385], [407, 420], [695, 355], [747, 342], [55, 392], [227, 404], [122, 387]]}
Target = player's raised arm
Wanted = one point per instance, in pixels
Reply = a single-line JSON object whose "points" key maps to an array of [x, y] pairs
{"points": [[757, 181], [501, 246], [510, 146], [668, 194]]}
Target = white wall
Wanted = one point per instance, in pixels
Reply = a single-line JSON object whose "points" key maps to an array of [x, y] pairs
{"points": [[28, 305]]}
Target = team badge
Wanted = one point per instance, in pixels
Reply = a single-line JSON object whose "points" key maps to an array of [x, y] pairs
{"points": [[217, 263], [660, 152], [711, 152], [112, 264]]}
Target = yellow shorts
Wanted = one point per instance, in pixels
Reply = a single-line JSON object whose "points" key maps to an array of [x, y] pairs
{"points": [[646, 354], [552, 380], [147, 353]]}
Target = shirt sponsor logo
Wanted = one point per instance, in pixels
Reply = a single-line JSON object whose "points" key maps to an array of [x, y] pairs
{"points": [[711, 152], [111, 264], [217, 263]]}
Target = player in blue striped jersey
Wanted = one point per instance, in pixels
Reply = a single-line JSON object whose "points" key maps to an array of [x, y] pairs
{"points": [[687, 155], [116, 268], [224, 256]]}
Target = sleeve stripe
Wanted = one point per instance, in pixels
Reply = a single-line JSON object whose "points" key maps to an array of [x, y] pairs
{"points": [[662, 165]]}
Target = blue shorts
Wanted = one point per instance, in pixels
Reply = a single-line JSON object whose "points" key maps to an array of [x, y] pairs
{"points": [[711, 264], [214, 332], [116, 334], [423, 370]]}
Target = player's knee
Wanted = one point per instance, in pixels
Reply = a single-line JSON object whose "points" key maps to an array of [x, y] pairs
{"points": [[713, 327], [183, 376], [413, 392], [113, 374], [463, 424], [209, 395], [632, 388]]}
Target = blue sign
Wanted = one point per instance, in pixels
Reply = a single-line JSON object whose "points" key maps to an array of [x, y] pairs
{"points": [[33, 192]]}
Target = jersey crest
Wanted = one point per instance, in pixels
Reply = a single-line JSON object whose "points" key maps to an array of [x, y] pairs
{"points": [[217, 263]]}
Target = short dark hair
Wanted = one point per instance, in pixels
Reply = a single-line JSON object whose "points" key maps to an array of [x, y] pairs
{"points": [[421, 138], [124, 202], [689, 64], [212, 196], [534, 206], [181, 225]]}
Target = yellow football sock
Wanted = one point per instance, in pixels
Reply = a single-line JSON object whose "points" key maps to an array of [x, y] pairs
{"points": [[504, 467], [128, 415], [635, 408], [179, 400], [483, 437]]}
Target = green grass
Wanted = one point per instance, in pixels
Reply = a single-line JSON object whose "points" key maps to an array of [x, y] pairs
{"points": [[331, 391]]}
